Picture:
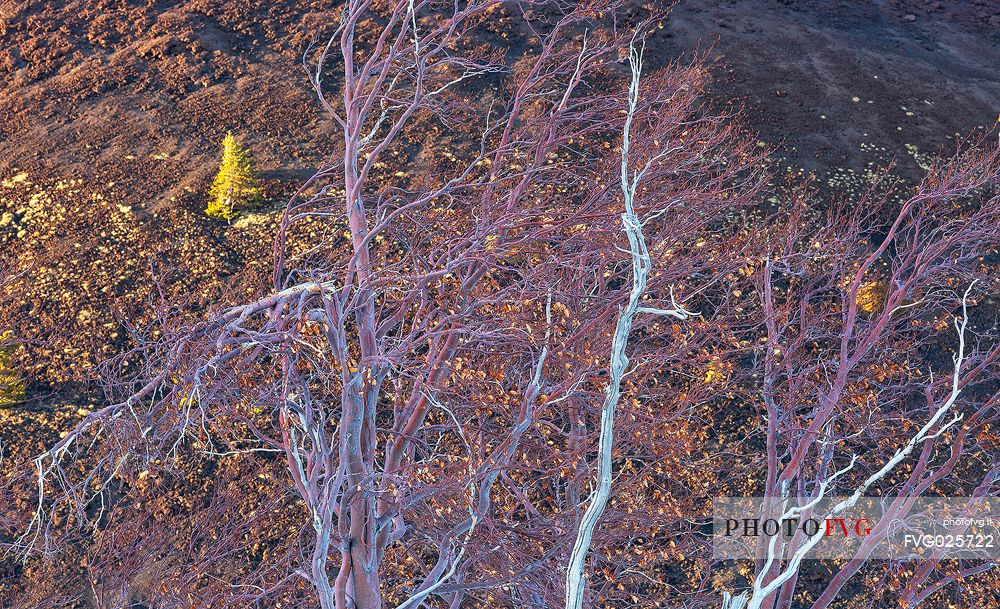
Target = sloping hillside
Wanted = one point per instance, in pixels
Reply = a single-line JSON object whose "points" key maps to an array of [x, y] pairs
{"points": [[113, 110]]}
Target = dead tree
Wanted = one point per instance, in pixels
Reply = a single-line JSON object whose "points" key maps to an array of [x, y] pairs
{"points": [[855, 304], [432, 357], [632, 224]]}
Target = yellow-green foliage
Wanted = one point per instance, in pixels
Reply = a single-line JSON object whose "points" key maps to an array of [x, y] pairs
{"points": [[11, 384], [236, 183]]}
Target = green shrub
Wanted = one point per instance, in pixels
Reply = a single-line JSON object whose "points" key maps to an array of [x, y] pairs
{"points": [[235, 185]]}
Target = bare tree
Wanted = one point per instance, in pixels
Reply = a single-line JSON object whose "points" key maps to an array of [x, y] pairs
{"points": [[852, 308], [641, 266], [477, 361], [431, 357]]}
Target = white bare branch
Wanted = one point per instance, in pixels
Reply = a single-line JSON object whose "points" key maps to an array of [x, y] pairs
{"points": [[641, 264], [764, 586]]}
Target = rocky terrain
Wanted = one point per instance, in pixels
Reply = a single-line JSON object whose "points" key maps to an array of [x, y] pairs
{"points": [[111, 114]]}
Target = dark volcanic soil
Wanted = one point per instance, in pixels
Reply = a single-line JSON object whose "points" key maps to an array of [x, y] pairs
{"points": [[825, 77], [111, 113], [92, 82], [89, 82], [112, 110]]}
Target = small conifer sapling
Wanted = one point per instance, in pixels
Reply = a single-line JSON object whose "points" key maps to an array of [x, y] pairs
{"points": [[11, 383], [235, 184]]}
